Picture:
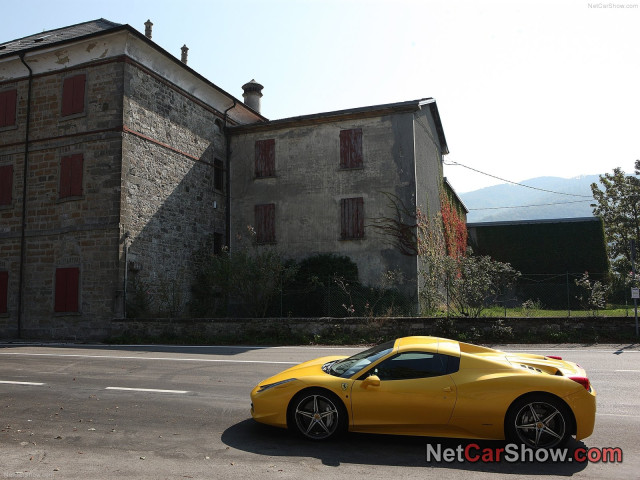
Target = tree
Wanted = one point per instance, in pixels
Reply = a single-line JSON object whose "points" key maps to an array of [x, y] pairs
{"points": [[618, 204], [478, 281]]}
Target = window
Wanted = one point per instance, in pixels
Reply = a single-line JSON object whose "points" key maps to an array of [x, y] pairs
{"points": [[265, 158], [4, 288], [352, 218], [8, 101], [405, 366], [218, 243], [6, 184], [71, 176], [265, 223], [351, 148], [73, 94], [67, 283], [218, 175]]}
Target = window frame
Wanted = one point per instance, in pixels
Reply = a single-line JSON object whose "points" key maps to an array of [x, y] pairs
{"points": [[6, 185], [67, 290], [265, 158], [449, 365], [8, 108], [351, 149], [71, 177], [352, 218], [4, 292], [265, 223], [74, 93]]}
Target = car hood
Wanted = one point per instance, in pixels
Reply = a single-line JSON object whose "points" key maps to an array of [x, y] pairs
{"points": [[306, 369]]}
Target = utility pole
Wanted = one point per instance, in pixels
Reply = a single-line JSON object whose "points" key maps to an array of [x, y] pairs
{"points": [[634, 289]]}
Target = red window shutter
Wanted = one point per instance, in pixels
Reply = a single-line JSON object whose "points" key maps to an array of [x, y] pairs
{"points": [[67, 287], [265, 158], [265, 220], [71, 168], [65, 177], [352, 218], [351, 148], [73, 94], [75, 188], [8, 102], [4, 290], [6, 184]]}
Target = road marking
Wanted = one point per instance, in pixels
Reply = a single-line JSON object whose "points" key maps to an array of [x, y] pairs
{"points": [[636, 371], [110, 357], [21, 383], [154, 390], [616, 415]]}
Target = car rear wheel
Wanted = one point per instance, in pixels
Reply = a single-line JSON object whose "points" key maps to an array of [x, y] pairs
{"points": [[317, 414], [539, 421]]}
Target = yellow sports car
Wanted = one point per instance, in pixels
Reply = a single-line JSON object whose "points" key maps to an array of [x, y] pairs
{"points": [[432, 386]]}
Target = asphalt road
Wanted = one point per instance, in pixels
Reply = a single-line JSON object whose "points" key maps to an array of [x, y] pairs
{"points": [[82, 412]]}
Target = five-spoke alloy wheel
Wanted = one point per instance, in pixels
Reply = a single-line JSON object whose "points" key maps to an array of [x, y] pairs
{"points": [[539, 422], [317, 414]]}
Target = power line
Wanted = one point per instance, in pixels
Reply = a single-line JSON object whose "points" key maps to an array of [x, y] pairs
{"points": [[526, 206], [516, 183]]}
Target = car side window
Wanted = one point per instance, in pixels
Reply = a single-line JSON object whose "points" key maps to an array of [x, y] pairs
{"points": [[411, 365]]}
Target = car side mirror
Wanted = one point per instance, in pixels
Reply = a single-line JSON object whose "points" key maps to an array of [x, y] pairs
{"points": [[371, 381]]}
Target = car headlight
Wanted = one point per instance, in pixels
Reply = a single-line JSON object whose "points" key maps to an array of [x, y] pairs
{"points": [[271, 385]]}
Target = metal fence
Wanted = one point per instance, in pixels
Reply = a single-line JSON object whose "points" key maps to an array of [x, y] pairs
{"points": [[533, 295]]}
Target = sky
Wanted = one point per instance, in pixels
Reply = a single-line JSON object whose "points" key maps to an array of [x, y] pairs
{"points": [[524, 88]]}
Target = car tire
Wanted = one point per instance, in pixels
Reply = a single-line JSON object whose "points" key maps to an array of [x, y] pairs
{"points": [[317, 414], [539, 421]]}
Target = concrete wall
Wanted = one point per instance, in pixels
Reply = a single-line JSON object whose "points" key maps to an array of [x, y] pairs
{"points": [[169, 147], [309, 185]]}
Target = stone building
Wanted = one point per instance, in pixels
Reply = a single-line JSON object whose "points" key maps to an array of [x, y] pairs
{"points": [[320, 183], [118, 162]]}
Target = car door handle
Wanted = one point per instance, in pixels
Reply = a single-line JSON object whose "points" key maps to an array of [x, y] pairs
{"points": [[447, 389]]}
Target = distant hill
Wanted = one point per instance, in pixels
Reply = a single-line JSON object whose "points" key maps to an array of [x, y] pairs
{"points": [[483, 204]]}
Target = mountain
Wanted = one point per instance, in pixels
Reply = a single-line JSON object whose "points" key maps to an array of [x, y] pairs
{"points": [[535, 203]]}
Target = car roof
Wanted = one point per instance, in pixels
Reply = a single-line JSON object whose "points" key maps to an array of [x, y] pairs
{"points": [[429, 344]]}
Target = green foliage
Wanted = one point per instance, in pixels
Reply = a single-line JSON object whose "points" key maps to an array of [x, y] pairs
{"points": [[477, 282], [308, 293], [618, 204], [592, 295], [137, 298], [249, 278]]}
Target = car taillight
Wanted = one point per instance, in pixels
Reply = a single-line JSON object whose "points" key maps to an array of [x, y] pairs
{"points": [[584, 381], [555, 357]]}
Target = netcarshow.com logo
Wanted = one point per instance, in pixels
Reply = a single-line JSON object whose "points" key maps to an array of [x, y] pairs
{"points": [[512, 453]]}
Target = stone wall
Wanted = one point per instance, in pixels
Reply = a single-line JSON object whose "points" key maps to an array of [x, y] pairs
{"points": [[80, 231], [324, 330], [170, 208], [309, 184]]}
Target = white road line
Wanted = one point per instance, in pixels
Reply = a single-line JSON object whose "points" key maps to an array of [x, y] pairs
{"points": [[635, 371], [153, 390], [616, 415], [21, 383], [117, 357]]}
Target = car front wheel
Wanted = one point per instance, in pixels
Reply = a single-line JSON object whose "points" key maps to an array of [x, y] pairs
{"points": [[317, 415], [539, 421]]}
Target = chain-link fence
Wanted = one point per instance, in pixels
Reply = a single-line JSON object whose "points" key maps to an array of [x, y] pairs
{"points": [[533, 295]]}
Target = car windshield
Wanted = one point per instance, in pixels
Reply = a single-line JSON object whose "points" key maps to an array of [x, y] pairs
{"points": [[350, 366]]}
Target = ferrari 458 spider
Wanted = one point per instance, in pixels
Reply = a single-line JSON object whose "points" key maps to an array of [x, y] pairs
{"points": [[435, 387]]}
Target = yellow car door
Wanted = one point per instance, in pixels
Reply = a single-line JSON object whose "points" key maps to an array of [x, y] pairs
{"points": [[408, 393]]}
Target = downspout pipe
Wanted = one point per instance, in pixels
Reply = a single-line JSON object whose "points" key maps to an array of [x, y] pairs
{"points": [[24, 198], [227, 213]]}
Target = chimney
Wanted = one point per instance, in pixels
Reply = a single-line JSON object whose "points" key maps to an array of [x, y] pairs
{"points": [[252, 94], [185, 52], [147, 29]]}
